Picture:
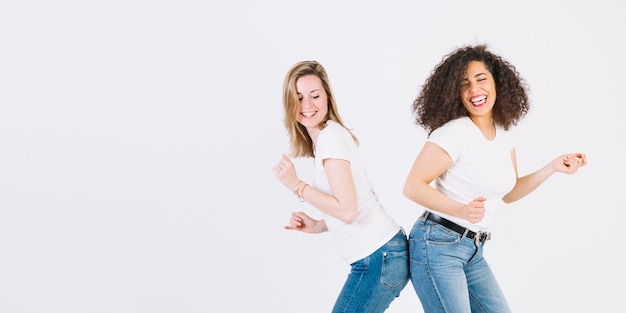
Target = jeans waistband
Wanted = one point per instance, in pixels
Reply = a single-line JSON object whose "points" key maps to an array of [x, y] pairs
{"points": [[463, 231]]}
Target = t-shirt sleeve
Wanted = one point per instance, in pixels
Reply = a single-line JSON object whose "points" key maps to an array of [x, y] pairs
{"points": [[510, 139], [450, 138], [331, 146]]}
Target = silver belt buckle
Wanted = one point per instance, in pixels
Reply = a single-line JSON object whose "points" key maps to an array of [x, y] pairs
{"points": [[478, 237]]}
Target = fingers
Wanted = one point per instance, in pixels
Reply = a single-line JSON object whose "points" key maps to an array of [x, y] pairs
{"points": [[475, 218], [475, 210], [477, 205], [480, 199], [296, 222], [299, 218], [283, 165], [293, 226], [580, 158], [573, 161], [285, 171]]}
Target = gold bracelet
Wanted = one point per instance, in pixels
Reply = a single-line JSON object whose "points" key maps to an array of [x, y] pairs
{"points": [[295, 188], [302, 192]]}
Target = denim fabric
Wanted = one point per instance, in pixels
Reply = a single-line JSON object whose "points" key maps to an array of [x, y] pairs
{"points": [[449, 273], [375, 281]]}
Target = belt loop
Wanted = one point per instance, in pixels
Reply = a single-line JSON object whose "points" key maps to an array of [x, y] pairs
{"points": [[465, 232], [426, 213]]}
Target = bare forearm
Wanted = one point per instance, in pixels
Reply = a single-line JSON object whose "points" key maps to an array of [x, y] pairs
{"points": [[330, 205], [427, 196], [528, 183]]}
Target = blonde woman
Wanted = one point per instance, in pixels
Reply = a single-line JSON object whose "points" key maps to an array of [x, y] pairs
{"points": [[368, 239]]}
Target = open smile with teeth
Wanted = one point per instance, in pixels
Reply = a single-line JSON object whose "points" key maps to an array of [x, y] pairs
{"points": [[478, 101], [308, 114]]}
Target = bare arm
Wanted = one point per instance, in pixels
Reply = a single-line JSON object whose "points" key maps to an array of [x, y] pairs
{"points": [[341, 203], [431, 162], [567, 163]]}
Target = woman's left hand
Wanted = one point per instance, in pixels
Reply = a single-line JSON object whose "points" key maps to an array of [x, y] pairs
{"points": [[569, 163]]}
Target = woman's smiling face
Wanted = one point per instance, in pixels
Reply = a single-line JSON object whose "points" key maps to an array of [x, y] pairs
{"points": [[313, 100], [478, 89]]}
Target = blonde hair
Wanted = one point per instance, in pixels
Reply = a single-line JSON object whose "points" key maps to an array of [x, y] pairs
{"points": [[301, 143]]}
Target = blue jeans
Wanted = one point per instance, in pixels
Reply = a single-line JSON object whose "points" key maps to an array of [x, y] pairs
{"points": [[376, 280], [449, 273]]}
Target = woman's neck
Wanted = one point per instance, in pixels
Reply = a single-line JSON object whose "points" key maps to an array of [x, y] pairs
{"points": [[485, 125], [313, 133]]}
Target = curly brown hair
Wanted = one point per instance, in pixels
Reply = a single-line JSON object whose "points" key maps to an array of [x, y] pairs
{"points": [[439, 100]]}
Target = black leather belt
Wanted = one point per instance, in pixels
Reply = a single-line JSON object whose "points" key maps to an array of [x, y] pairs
{"points": [[477, 237]]}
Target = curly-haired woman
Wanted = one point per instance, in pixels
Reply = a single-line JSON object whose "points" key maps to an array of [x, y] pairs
{"points": [[466, 170]]}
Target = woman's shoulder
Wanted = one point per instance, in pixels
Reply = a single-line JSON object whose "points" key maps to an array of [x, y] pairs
{"points": [[461, 122], [458, 124], [333, 127], [334, 131]]}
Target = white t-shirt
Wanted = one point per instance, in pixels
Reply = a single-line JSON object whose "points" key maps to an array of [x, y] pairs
{"points": [[373, 226], [480, 167]]}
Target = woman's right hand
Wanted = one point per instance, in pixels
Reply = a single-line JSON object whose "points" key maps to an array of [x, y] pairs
{"points": [[304, 223], [474, 211], [286, 172]]}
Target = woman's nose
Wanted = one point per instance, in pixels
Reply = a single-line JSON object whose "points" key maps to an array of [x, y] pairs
{"points": [[306, 102], [473, 86]]}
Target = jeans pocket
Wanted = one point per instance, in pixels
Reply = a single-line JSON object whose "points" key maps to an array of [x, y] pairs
{"points": [[395, 269], [439, 235]]}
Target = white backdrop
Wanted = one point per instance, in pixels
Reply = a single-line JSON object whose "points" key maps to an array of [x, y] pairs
{"points": [[137, 140]]}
